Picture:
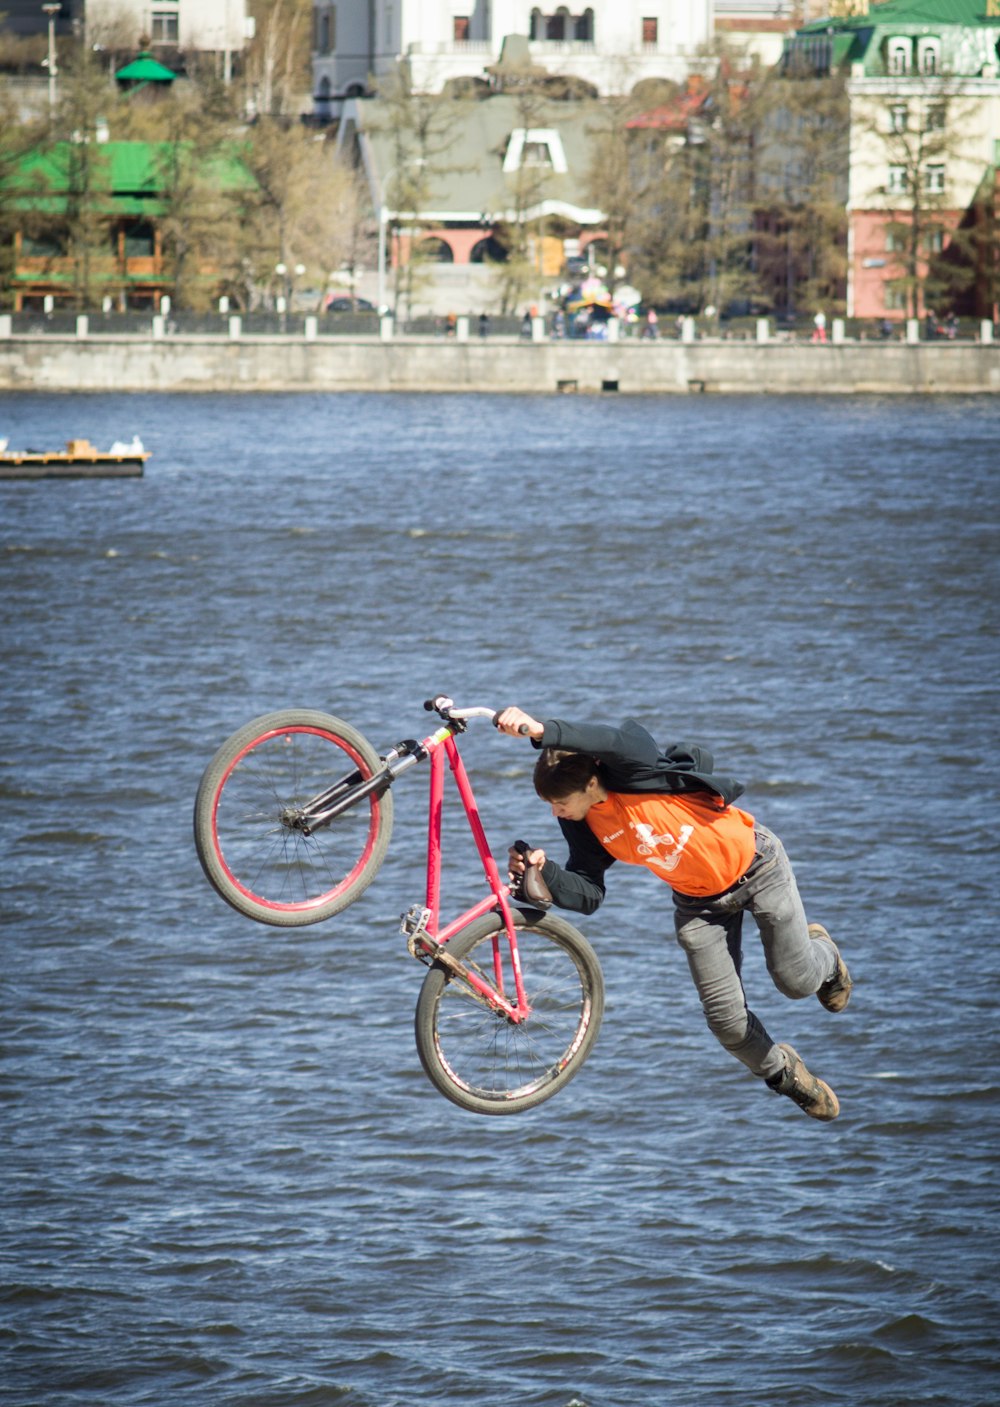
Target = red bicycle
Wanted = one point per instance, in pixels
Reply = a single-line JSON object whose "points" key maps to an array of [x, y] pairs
{"points": [[292, 822]]}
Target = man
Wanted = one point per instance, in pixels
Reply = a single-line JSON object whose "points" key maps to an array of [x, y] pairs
{"points": [[617, 796]]}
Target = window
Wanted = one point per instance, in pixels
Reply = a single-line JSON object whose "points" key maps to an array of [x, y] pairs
{"points": [[165, 27], [140, 241], [934, 178], [894, 242], [555, 27], [460, 29], [650, 31], [928, 55], [934, 242], [535, 146], [898, 179], [935, 118], [44, 246], [536, 154], [898, 56], [899, 117], [895, 297]]}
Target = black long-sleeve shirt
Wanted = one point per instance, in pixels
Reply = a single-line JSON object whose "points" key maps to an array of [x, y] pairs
{"points": [[630, 761]]}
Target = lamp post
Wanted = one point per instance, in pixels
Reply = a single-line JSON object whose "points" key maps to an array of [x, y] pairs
{"points": [[287, 276], [383, 220], [51, 11]]}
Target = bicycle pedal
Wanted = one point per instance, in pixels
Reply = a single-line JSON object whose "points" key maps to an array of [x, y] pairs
{"points": [[415, 920], [419, 943]]}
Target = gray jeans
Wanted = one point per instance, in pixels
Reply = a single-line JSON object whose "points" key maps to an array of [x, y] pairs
{"points": [[709, 931]]}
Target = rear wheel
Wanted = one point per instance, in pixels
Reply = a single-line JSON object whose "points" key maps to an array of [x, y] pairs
{"points": [[487, 1064], [251, 848]]}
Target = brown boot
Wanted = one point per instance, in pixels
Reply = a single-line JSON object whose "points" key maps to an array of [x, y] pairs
{"points": [[835, 992], [813, 1096]]}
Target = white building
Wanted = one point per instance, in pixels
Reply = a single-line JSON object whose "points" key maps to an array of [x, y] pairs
{"points": [[215, 26], [610, 44]]}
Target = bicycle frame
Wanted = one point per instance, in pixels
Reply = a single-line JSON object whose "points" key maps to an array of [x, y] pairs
{"points": [[423, 926]]}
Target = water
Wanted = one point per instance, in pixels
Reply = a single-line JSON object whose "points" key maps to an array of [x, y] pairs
{"points": [[225, 1178]]}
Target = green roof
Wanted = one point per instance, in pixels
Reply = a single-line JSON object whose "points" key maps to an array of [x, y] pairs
{"points": [[145, 69], [971, 14], [968, 35], [130, 175]]}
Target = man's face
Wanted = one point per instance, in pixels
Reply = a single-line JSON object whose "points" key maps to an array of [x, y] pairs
{"points": [[576, 804]]}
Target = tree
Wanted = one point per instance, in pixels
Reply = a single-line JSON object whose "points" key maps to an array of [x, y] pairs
{"points": [[17, 140], [82, 172], [627, 168], [302, 207], [691, 239], [802, 154], [413, 133], [277, 63]]}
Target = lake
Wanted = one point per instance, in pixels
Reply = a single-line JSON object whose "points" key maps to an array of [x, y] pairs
{"points": [[226, 1179]]}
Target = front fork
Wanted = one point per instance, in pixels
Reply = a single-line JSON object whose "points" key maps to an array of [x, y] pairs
{"points": [[427, 949]]}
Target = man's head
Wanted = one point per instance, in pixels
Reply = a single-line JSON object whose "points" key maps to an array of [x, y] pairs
{"points": [[569, 781]]}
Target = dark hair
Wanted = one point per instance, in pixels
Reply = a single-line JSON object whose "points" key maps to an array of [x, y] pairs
{"points": [[559, 772]]}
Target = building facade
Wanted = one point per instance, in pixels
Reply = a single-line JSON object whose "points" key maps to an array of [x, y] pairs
{"points": [[609, 45], [215, 26], [923, 84]]}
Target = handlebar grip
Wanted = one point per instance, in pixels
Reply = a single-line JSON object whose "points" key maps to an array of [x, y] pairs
{"points": [[524, 730]]}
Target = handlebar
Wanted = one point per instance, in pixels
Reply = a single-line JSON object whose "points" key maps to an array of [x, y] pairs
{"points": [[446, 709]]}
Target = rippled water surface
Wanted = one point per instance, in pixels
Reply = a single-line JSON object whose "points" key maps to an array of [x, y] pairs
{"points": [[226, 1180]]}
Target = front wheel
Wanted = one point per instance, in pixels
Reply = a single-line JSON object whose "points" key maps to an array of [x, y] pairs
{"points": [[487, 1064], [251, 846]]}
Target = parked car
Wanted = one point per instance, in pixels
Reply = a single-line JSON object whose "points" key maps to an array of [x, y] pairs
{"points": [[341, 303]]}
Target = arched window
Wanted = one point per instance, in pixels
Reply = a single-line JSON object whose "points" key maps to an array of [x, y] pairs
{"points": [[438, 250], [929, 55], [488, 251], [535, 25], [898, 53], [585, 27]]}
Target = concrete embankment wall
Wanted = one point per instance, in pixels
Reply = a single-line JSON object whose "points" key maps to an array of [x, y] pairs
{"points": [[192, 363]]}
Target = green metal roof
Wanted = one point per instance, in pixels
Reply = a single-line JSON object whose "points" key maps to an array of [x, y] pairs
{"points": [[968, 35], [129, 175], [145, 69], [971, 14]]}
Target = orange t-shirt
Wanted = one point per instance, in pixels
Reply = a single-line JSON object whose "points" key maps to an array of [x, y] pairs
{"points": [[689, 841]]}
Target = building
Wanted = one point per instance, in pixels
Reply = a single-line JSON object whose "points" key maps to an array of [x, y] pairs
{"points": [[208, 26], [114, 192], [490, 166], [923, 84], [757, 29], [212, 26], [607, 45]]}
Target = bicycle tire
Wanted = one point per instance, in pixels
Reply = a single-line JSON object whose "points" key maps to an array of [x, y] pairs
{"points": [[254, 861], [488, 1065]]}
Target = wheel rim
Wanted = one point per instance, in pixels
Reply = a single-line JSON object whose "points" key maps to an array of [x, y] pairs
{"points": [[271, 865], [493, 1059]]}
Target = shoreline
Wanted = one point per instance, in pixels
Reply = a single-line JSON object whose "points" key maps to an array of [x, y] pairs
{"points": [[178, 362]]}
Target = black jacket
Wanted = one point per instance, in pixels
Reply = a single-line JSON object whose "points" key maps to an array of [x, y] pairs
{"points": [[630, 761]]}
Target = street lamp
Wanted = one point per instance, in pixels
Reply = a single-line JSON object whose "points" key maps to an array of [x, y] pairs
{"points": [[52, 11], [287, 275]]}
